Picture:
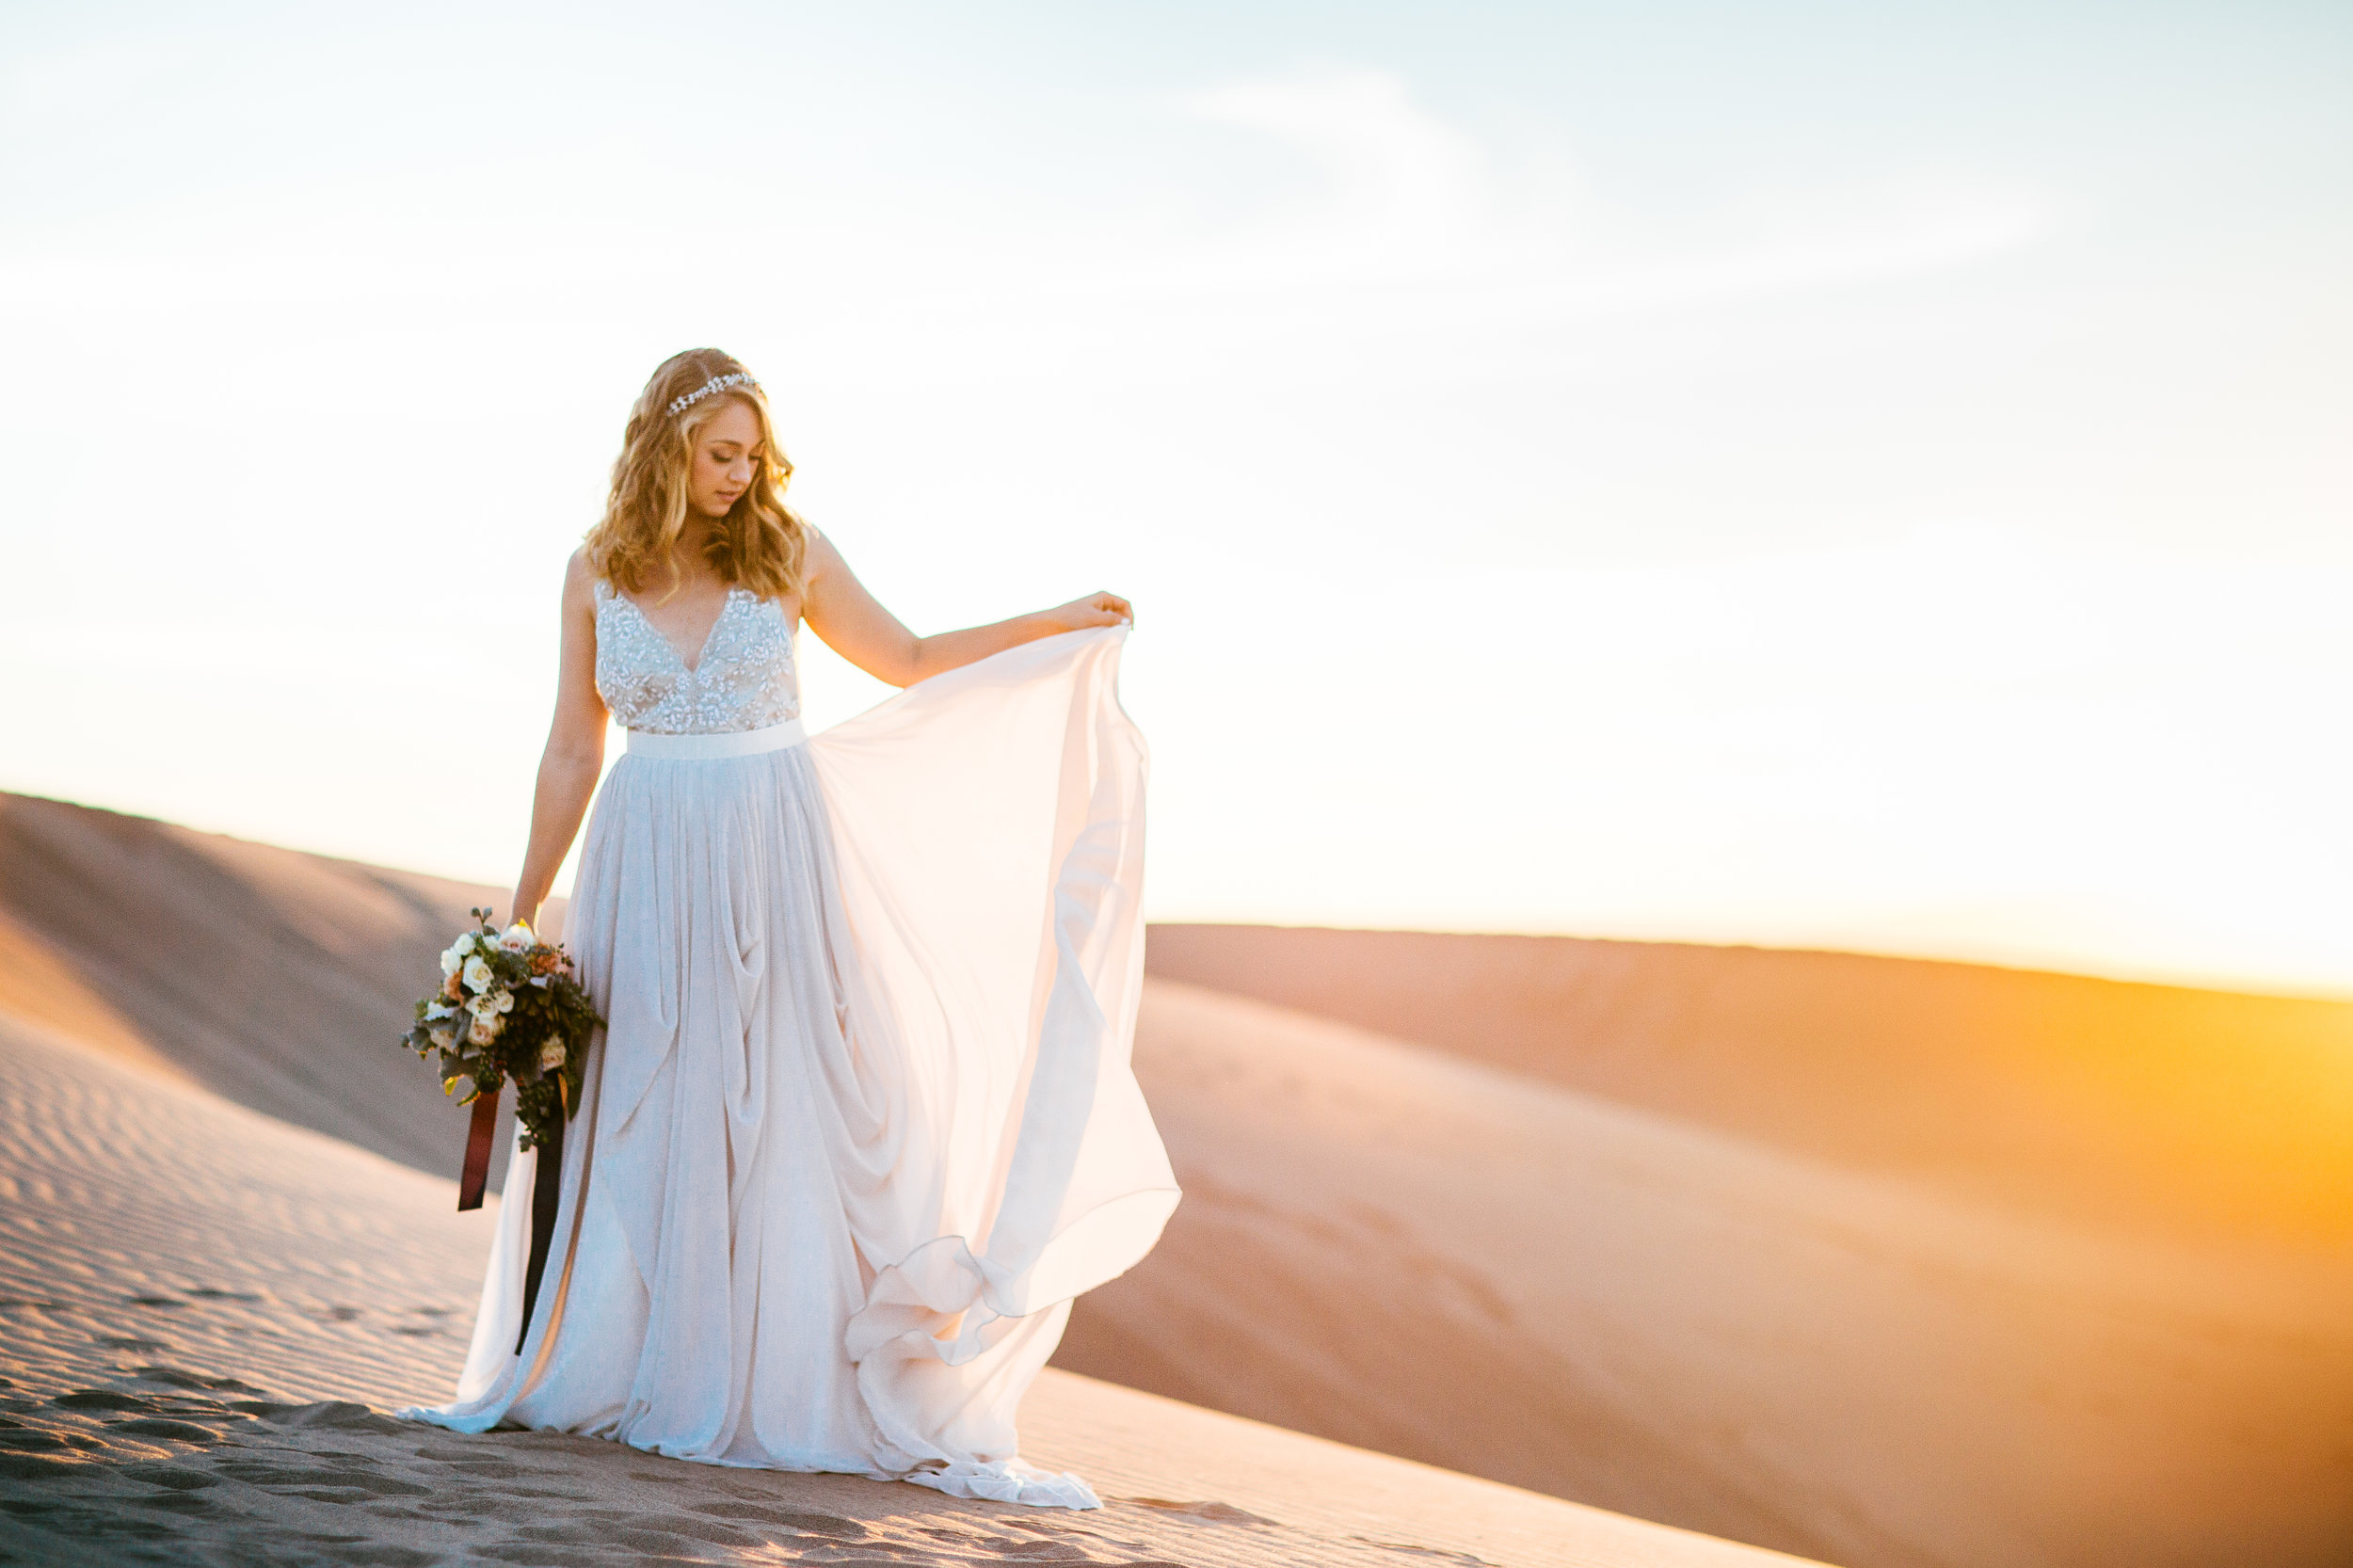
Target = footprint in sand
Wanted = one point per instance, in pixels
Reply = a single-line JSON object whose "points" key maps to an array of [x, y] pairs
{"points": [[808, 1523], [1217, 1514], [173, 1377]]}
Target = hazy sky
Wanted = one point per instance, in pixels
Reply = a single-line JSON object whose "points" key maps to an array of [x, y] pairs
{"points": [[1866, 475]]}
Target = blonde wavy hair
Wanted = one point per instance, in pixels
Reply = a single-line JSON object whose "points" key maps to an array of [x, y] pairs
{"points": [[759, 545]]}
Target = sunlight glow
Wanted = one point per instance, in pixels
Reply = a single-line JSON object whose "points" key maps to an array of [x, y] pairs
{"points": [[1549, 508]]}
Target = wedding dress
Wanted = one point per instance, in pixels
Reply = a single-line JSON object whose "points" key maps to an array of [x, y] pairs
{"points": [[861, 1121]]}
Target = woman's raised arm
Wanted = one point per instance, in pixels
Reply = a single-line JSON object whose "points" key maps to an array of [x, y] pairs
{"points": [[575, 750], [854, 625]]}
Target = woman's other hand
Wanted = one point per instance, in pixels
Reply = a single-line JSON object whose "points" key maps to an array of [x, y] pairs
{"points": [[1094, 610]]}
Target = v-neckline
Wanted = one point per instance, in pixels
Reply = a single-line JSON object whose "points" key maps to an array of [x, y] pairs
{"points": [[700, 653]]}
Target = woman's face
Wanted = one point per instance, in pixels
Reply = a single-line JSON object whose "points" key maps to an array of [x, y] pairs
{"points": [[727, 451]]}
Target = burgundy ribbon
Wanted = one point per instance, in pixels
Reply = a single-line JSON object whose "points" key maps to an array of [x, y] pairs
{"points": [[477, 1171]]}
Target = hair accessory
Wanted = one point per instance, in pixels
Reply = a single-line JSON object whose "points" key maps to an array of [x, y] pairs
{"points": [[718, 383]]}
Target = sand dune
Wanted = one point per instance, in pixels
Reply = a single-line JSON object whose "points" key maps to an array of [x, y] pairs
{"points": [[275, 979], [202, 1303], [2149, 1108], [1396, 1248], [1698, 1310]]}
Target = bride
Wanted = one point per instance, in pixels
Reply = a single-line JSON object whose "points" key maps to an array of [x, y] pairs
{"points": [[860, 1123]]}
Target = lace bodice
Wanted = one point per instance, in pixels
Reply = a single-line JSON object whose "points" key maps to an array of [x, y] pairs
{"points": [[744, 679]]}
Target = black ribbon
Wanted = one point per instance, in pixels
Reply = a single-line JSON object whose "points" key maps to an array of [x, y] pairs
{"points": [[547, 1185]]}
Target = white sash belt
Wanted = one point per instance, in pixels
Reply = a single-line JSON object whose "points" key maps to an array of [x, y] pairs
{"points": [[735, 742]]}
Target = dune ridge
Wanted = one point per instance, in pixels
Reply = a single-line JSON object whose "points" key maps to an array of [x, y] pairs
{"points": [[2158, 1109], [268, 976]]}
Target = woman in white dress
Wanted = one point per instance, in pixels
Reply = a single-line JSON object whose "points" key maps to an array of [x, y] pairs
{"points": [[861, 1122]]}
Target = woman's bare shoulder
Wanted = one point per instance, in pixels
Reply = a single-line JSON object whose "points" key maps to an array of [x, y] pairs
{"points": [[580, 580], [817, 553]]}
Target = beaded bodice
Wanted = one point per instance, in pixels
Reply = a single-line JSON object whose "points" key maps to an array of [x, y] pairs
{"points": [[744, 680]]}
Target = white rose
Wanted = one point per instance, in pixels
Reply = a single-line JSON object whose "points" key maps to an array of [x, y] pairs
{"points": [[450, 960], [478, 975], [518, 938], [550, 1056], [482, 1032], [503, 999], [481, 1007]]}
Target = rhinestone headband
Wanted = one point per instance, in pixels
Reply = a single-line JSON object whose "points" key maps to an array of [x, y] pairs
{"points": [[718, 383]]}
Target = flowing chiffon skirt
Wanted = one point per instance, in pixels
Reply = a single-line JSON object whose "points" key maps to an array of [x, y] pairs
{"points": [[861, 1122]]}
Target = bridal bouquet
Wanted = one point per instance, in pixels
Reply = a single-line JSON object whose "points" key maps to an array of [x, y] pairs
{"points": [[510, 1008]]}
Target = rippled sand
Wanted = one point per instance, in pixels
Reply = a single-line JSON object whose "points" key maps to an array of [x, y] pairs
{"points": [[207, 1312]]}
